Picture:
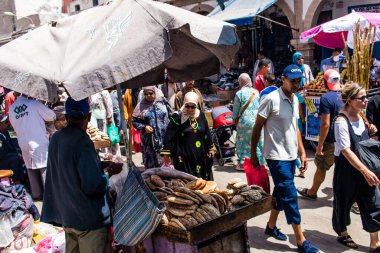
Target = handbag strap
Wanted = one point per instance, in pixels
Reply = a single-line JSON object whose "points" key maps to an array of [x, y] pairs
{"points": [[353, 137], [366, 121], [246, 106]]}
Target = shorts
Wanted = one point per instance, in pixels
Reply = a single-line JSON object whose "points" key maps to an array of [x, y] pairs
{"points": [[327, 160]]}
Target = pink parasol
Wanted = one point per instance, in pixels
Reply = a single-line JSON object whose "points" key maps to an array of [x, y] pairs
{"points": [[329, 34]]}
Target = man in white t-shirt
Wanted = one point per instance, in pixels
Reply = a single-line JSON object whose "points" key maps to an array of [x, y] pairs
{"points": [[278, 114], [28, 118]]}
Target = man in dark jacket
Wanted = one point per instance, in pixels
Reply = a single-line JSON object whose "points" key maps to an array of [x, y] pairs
{"points": [[10, 157], [76, 188]]}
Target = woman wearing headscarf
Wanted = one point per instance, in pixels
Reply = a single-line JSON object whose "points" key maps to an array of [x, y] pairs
{"points": [[151, 118], [188, 141], [246, 105], [298, 59]]}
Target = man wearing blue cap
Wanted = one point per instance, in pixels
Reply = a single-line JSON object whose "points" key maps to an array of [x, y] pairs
{"points": [[76, 190], [278, 112]]}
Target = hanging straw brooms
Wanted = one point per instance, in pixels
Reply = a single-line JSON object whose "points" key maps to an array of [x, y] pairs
{"points": [[358, 65]]}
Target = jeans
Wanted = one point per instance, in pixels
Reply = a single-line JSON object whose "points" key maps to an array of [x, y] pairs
{"points": [[285, 191]]}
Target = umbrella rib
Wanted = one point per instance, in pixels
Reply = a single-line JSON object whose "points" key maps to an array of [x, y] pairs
{"points": [[150, 14]]}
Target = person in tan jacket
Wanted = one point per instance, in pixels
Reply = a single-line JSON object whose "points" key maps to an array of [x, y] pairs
{"points": [[178, 103]]}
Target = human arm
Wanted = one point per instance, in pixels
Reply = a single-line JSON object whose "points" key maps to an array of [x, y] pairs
{"points": [[107, 101], [264, 111], [200, 100], [301, 152], [92, 178], [210, 147], [169, 138], [255, 138], [343, 143], [237, 106], [46, 113], [324, 130], [178, 101]]}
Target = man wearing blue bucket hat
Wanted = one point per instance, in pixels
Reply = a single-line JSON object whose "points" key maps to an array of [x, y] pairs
{"points": [[278, 112], [76, 190]]}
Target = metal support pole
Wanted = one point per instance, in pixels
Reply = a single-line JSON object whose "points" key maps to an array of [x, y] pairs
{"points": [[124, 125]]}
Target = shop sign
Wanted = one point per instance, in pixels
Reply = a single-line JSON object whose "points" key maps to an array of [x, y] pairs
{"points": [[364, 8]]}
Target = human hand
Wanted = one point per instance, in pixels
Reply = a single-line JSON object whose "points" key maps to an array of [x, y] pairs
{"points": [[254, 160], [371, 178], [304, 164], [211, 153], [320, 151], [372, 129], [114, 168], [149, 129]]}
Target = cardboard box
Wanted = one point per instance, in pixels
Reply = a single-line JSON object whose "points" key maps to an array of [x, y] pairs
{"points": [[226, 94]]}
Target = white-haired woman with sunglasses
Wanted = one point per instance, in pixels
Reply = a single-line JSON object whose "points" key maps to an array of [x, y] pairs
{"points": [[188, 141], [151, 118], [353, 181]]}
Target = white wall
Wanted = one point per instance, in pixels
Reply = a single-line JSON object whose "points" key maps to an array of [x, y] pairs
{"points": [[306, 5]]}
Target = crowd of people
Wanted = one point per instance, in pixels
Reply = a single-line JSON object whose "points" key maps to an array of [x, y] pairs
{"points": [[63, 166]]}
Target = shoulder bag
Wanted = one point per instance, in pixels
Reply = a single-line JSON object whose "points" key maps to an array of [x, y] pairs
{"points": [[138, 212], [368, 151], [244, 108]]}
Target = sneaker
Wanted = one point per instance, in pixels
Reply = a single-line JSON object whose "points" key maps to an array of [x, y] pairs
{"points": [[275, 233], [306, 247]]}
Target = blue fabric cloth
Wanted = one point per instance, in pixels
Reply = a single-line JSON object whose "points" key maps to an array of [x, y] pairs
{"points": [[285, 191], [76, 188], [330, 103], [13, 197]]}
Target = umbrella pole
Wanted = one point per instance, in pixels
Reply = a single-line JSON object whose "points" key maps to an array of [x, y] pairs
{"points": [[124, 125]]}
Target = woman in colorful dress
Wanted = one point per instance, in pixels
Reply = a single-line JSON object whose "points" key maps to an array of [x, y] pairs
{"points": [[246, 105], [188, 140], [150, 117]]}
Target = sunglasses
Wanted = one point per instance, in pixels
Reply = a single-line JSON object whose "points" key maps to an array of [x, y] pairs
{"points": [[148, 93], [362, 98], [300, 58], [191, 106]]}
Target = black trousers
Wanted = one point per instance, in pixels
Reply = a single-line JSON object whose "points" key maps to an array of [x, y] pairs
{"points": [[350, 186]]}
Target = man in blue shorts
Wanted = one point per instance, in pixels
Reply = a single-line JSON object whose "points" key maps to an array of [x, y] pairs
{"points": [[278, 114]]}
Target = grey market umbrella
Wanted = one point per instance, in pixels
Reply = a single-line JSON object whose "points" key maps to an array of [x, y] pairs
{"points": [[127, 42]]}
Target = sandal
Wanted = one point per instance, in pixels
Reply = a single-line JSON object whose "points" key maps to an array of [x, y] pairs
{"points": [[376, 250], [347, 241], [303, 192]]}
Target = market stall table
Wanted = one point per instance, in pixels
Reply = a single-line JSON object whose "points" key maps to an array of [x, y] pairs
{"points": [[225, 234]]}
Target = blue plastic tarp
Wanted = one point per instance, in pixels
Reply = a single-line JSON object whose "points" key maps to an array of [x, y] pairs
{"points": [[241, 12]]}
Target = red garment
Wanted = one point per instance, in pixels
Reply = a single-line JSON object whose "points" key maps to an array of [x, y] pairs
{"points": [[259, 82], [9, 100]]}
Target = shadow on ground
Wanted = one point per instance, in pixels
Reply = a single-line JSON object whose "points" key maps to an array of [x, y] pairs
{"points": [[325, 242], [327, 200]]}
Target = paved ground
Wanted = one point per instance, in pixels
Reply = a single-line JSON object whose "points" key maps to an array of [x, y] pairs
{"points": [[316, 217]]}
